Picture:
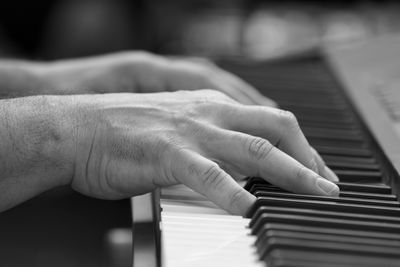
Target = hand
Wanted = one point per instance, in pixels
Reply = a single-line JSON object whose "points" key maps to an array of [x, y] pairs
{"points": [[129, 144], [146, 73]]}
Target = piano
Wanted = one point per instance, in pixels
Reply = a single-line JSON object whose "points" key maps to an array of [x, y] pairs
{"points": [[347, 102]]}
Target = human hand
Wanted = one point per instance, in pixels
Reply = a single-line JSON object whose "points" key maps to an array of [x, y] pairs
{"points": [[146, 73], [129, 144]]}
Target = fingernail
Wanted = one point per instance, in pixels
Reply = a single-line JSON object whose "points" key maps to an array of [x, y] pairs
{"points": [[332, 176], [327, 187]]}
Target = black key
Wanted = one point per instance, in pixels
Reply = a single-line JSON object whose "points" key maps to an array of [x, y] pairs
{"points": [[320, 205], [342, 151], [377, 189], [366, 241], [349, 160], [327, 214], [343, 193], [390, 237], [341, 165], [323, 133], [317, 246], [351, 174], [328, 199], [322, 222], [337, 143], [324, 259], [368, 195]]}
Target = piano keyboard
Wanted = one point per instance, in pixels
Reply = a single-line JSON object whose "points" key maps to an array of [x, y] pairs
{"points": [[359, 228], [196, 232]]}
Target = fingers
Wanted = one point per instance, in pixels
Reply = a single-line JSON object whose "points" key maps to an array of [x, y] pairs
{"points": [[185, 75], [282, 129], [207, 178], [197, 73], [323, 169], [279, 127], [222, 85], [255, 156], [238, 89]]}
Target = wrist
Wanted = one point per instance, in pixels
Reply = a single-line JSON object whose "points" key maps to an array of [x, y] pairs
{"points": [[39, 139], [35, 148], [82, 113], [75, 122]]}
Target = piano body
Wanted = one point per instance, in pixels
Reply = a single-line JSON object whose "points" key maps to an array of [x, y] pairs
{"points": [[347, 101]]}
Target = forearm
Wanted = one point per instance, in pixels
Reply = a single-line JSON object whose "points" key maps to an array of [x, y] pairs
{"points": [[34, 156], [113, 73]]}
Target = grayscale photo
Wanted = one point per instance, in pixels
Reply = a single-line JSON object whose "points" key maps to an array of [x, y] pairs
{"points": [[199, 133]]}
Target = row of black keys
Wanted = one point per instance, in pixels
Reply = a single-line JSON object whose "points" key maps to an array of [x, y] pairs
{"points": [[362, 226]]}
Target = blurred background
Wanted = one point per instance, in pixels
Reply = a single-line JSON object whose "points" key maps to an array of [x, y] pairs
{"points": [[259, 29], [62, 228]]}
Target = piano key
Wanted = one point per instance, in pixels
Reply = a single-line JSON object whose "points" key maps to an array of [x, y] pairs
{"points": [[316, 221], [350, 160], [343, 165], [352, 187], [304, 257], [368, 195], [379, 189], [323, 133], [304, 122], [342, 151], [338, 143], [343, 193], [316, 246], [366, 241], [359, 176], [364, 173], [195, 230], [329, 230], [326, 214], [283, 195], [329, 206], [351, 245]]}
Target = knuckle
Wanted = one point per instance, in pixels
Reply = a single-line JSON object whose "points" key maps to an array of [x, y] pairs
{"points": [[211, 93], [236, 197], [160, 148], [205, 70], [204, 62], [301, 173], [170, 163], [313, 164], [213, 176], [181, 121], [190, 125], [288, 120], [215, 99], [224, 97], [259, 148], [163, 144]]}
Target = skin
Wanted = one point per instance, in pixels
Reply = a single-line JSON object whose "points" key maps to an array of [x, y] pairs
{"points": [[116, 145]]}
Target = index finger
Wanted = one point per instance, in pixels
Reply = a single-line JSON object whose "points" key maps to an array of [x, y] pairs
{"points": [[207, 178]]}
